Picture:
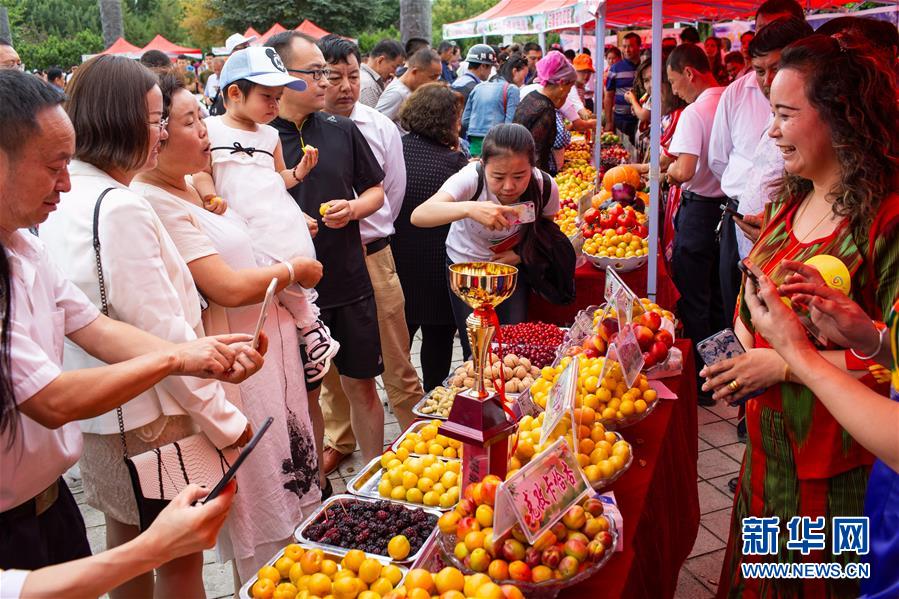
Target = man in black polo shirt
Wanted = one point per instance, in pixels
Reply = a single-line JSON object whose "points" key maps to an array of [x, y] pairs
{"points": [[347, 179]]}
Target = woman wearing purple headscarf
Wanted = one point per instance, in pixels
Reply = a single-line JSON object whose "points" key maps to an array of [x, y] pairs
{"points": [[537, 110]]}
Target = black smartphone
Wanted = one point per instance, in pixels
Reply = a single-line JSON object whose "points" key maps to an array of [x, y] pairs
{"points": [[730, 210], [240, 459], [743, 265]]}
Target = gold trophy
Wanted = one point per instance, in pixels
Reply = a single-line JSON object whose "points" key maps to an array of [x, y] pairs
{"points": [[477, 418]]}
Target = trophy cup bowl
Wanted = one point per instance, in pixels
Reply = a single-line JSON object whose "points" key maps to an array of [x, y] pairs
{"points": [[477, 417], [483, 284]]}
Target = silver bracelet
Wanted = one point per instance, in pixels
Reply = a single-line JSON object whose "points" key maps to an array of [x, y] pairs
{"points": [[881, 334], [293, 276]]}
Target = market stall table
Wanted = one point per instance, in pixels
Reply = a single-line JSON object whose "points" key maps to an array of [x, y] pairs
{"points": [[658, 498]]}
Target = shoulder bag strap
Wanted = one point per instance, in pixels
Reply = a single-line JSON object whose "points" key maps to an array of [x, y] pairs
{"points": [[505, 98], [104, 306]]}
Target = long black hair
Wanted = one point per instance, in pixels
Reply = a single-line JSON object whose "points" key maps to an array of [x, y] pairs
{"points": [[22, 97], [513, 63]]}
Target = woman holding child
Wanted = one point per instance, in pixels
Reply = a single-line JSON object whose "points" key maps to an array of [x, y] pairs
{"points": [[281, 481]]}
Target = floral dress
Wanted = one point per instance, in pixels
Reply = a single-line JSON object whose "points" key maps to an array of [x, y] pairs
{"points": [[799, 461]]}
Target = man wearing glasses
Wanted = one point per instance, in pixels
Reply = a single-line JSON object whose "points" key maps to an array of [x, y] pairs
{"points": [[9, 58], [343, 188]]}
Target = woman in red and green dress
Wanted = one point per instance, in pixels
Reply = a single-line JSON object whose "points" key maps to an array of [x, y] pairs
{"points": [[838, 198]]}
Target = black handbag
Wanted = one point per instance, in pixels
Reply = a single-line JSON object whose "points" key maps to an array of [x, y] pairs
{"points": [[159, 474]]}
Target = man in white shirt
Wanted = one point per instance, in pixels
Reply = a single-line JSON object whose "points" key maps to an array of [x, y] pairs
{"points": [[400, 378], [695, 255], [741, 121], [424, 67], [379, 70], [40, 403], [212, 82]]}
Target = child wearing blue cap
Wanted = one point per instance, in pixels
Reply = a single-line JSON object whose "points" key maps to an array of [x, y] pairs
{"points": [[247, 167]]}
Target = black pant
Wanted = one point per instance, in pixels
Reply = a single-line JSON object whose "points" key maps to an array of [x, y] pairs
{"points": [[436, 351], [29, 542], [694, 266], [727, 266]]}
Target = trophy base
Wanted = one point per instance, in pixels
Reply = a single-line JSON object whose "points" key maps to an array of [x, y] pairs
{"points": [[478, 420]]}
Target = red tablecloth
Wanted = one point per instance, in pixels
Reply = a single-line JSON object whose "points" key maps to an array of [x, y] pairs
{"points": [[590, 284], [658, 498]]}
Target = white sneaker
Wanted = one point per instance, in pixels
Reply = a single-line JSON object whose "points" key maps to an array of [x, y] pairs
{"points": [[318, 348]]}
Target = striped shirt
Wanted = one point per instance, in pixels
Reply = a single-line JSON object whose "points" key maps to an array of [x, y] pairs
{"points": [[621, 80]]}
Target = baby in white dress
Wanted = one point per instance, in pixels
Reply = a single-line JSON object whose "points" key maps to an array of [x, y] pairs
{"points": [[247, 169]]}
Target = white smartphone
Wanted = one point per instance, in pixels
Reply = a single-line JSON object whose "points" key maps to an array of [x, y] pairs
{"points": [[526, 213], [269, 294]]}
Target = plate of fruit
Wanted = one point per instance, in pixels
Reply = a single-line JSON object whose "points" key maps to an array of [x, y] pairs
{"points": [[416, 481], [572, 550], [614, 404], [615, 238], [602, 454], [380, 527], [317, 572], [536, 341]]}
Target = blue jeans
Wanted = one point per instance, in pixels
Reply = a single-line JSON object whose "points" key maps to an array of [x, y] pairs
{"points": [[511, 311]]}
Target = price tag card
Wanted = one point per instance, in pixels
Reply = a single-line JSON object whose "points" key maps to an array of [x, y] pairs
{"points": [[524, 404], [627, 352], [623, 307], [561, 397], [539, 494], [615, 284]]}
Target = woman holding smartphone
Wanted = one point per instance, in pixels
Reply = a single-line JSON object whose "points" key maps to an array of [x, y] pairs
{"points": [[837, 198], [489, 203], [281, 480]]}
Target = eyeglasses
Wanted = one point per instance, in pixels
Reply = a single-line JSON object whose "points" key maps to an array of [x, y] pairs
{"points": [[317, 74], [162, 124]]}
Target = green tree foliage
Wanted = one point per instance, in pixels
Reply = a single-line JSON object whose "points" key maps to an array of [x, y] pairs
{"points": [[450, 11], [57, 32], [347, 17]]}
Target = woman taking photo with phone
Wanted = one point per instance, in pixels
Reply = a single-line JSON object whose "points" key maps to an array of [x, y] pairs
{"points": [[490, 203], [837, 202], [283, 476]]}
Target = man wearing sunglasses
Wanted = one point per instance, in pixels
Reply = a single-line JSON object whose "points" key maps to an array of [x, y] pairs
{"points": [[343, 188]]}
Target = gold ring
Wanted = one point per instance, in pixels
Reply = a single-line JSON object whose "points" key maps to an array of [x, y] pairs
{"points": [[734, 385]]}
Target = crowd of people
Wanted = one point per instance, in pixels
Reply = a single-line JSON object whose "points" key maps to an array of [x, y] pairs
{"points": [[145, 207]]}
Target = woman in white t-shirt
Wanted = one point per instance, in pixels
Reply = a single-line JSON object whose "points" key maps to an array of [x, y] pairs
{"points": [[481, 201]]}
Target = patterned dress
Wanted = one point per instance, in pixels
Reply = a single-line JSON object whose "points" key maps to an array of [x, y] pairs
{"points": [[799, 461]]}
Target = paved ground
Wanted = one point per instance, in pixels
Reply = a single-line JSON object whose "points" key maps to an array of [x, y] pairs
{"points": [[719, 460]]}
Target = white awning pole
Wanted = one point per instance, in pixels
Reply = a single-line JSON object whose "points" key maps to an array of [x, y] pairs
{"points": [[655, 137]]}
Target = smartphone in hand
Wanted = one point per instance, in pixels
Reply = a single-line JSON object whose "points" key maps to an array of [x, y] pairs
{"points": [[269, 294], [240, 460]]}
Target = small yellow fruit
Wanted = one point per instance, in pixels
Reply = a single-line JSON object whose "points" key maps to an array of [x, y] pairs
{"points": [[398, 548]]}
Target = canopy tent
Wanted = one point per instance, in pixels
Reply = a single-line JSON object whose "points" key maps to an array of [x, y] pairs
{"points": [[310, 28], [539, 16], [272, 31], [250, 32], [122, 47], [164, 45]]}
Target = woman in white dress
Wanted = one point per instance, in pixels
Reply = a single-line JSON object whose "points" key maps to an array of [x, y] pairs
{"points": [[279, 483], [116, 109]]}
